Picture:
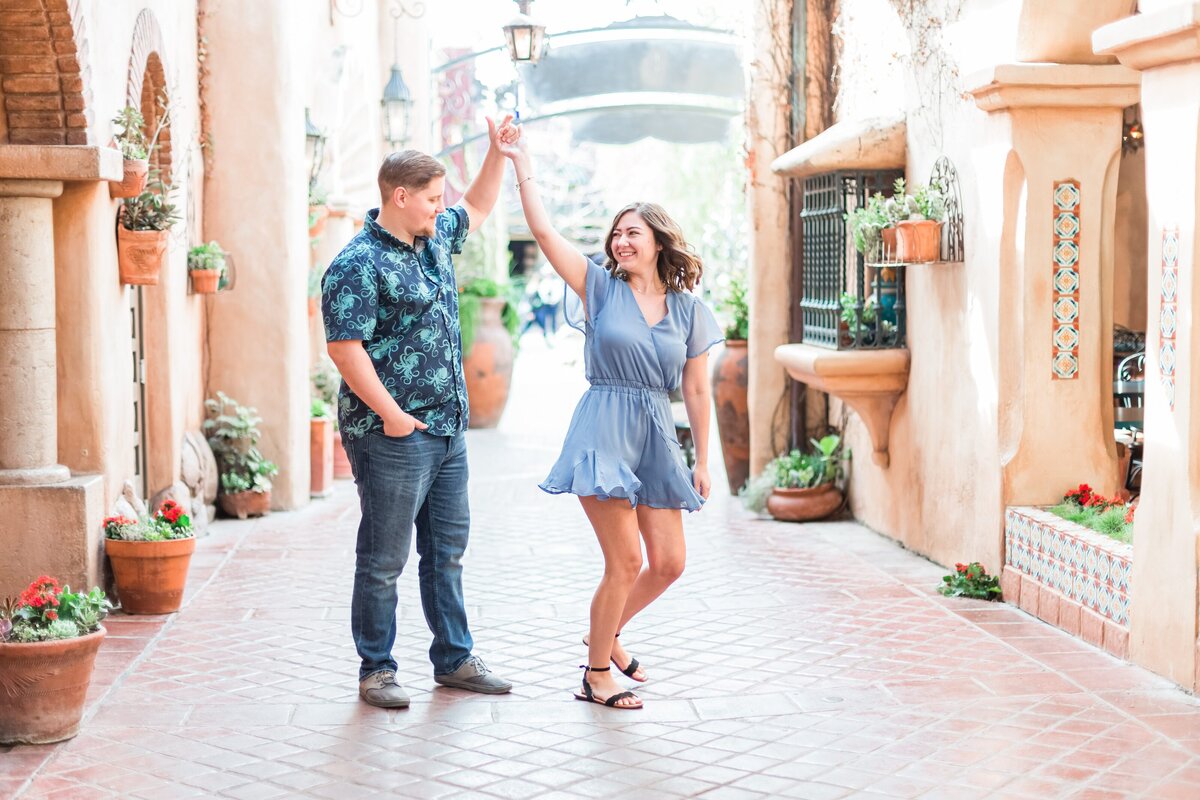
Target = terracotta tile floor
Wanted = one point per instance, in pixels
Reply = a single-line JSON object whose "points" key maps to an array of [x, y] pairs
{"points": [[790, 661]]}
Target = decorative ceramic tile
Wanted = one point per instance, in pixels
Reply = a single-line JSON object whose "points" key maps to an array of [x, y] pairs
{"points": [[1065, 330], [1084, 566], [1167, 313]]}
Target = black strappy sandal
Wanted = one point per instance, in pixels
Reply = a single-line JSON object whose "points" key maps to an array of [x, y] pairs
{"points": [[611, 702], [629, 670]]}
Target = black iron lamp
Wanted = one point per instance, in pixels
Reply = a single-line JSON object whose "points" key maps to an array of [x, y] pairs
{"points": [[1132, 135], [396, 107], [314, 148], [526, 38]]}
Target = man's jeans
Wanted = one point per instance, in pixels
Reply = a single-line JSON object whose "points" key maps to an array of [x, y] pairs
{"points": [[419, 479]]}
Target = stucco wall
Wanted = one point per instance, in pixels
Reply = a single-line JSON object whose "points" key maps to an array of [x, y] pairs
{"points": [[961, 434]]}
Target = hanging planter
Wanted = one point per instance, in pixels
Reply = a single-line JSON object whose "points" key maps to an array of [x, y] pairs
{"points": [[130, 139], [140, 255], [206, 265], [143, 228], [133, 179], [919, 241]]}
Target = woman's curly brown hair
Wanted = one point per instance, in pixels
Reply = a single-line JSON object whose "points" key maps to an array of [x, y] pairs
{"points": [[678, 265]]}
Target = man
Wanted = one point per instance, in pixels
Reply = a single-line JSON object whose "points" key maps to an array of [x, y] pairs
{"points": [[390, 306]]}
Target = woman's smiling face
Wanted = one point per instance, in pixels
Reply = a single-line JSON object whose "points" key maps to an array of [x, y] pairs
{"points": [[632, 244]]}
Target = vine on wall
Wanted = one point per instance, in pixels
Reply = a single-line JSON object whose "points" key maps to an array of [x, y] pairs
{"points": [[934, 72]]}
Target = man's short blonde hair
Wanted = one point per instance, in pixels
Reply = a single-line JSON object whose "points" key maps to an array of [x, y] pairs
{"points": [[411, 169]]}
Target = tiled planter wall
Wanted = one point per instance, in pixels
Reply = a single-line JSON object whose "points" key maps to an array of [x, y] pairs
{"points": [[1068, 576]]}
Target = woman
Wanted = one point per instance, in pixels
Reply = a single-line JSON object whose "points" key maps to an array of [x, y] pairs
{"points": [[646, 333]]}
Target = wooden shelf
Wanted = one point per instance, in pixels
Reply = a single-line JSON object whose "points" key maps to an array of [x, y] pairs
{"points": [[869, 381]]}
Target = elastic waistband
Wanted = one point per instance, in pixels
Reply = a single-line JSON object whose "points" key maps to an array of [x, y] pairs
{"points": [[618, 385]]}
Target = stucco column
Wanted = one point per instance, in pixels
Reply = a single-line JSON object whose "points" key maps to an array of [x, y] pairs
{"points": [[255, 205], [770, 268], [1055, 136], [28, 377], [1164, 43]]}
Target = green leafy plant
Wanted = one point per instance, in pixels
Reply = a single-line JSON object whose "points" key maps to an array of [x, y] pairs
{"points": [[925, 202], [207, 256], [1106, 515], [151, 210], [47, 611], [315, 273], [320, 409], [971, 580], [866, 224], [130, 136], [233, 435], [797, 469], [736, 305], [469, 295], [169, 522]]}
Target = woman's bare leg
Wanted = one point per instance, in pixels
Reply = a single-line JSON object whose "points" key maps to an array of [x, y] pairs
{"points": [[616, 527]]}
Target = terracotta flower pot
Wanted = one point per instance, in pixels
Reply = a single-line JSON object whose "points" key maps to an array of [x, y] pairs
{"points": [[245, 504], [43, 687], [314, 305], [320, 456], [150, 576], [488, 367], [918, 242], [318, 216], [729, 388], [133, 179], [204, 281], [804, 505], [341, 462], [140, 255], [889, 244]]}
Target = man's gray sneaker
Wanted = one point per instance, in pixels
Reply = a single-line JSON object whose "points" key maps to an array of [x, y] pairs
{"points": [[474, 676], [380, 689]]}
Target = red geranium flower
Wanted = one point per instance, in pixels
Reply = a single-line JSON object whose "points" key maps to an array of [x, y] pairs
{"points": [[51, 615]]}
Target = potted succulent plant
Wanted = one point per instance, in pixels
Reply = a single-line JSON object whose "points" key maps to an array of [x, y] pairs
{"points": [[320, 445], [206, 265], [730, 382], [917, 218], [130, 139], [142, 235], [233, 435], [48, 642], [150, 558], [799, 486]]}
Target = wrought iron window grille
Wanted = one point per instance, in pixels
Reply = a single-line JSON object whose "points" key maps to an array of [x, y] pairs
{"points": [[846, 300]]}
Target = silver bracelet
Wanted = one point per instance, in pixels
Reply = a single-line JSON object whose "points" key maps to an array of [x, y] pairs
{"points": [[523, 181]]}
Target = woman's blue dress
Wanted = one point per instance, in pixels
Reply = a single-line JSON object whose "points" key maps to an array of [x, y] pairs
{"points": [[621, 443]]}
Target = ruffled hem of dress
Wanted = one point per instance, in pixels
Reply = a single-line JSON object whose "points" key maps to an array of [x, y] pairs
{"points": [[588, 477]]}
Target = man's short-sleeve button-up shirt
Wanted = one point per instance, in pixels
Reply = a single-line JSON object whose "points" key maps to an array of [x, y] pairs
{"points": [[401, 300]]}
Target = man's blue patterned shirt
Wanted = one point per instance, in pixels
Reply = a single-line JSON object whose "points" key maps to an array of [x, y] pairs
{"points": [[402, 302]]}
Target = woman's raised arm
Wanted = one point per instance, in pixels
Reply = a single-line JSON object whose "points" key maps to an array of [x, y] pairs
{"points": [[567, 261]]}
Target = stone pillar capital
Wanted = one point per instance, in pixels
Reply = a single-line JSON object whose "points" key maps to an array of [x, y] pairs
{"points": [[1006, 87], [30, 188], [1161, 38]]}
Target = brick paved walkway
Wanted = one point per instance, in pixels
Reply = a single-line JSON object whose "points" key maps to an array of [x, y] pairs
{"points": [[790, 661]]}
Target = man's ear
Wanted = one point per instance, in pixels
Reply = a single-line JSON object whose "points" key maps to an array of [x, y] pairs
{"points": [[400, 196]]}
